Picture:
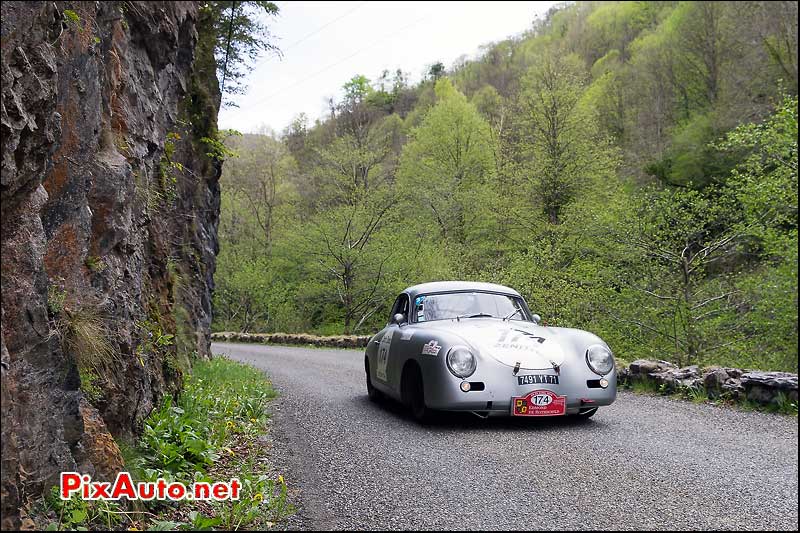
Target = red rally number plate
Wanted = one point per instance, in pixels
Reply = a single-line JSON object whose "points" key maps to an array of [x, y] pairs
{"points": [[539, 403]]}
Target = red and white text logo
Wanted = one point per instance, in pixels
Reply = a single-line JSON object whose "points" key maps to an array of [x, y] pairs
{"points": [[161, 489]]}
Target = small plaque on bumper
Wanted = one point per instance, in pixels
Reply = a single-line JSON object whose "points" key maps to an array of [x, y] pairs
{"points": [[539, 403], [534, 379]]}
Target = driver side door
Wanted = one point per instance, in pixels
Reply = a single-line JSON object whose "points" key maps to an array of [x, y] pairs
{"points": [[383, 368]]}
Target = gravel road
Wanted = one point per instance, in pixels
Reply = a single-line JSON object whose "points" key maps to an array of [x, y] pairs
{"points": [[644, 462]]}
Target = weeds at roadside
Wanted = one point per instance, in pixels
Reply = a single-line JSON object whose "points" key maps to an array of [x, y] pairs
{"points": [[211, 432], [783, 404], [695, 394], [77, 514], [648, 387]]}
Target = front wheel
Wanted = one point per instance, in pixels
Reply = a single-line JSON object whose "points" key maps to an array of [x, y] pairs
{"points": [[374, 394], [416, 397]]}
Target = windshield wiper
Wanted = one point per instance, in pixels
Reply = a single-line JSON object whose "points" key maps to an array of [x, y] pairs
{"points": [[512, 314], [459, 317]]}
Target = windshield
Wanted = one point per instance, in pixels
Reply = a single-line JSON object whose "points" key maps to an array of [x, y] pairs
{"points": [[468, 305]]}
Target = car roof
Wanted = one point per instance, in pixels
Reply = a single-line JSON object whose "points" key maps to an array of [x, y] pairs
{"points": [[448, 286]]}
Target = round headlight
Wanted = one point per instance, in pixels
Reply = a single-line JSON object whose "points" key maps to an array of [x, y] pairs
{"points": [[461, 361], [599, 359]]}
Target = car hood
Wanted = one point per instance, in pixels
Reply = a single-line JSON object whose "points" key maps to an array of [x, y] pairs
{"points": [[534, 347]]}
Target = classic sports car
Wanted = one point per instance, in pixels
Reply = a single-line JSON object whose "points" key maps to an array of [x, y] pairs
{"points": [[476, 347]]}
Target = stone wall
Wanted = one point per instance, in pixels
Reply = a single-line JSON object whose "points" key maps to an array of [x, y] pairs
{"points": [[340, 341], [764, 388], [109, 218]]}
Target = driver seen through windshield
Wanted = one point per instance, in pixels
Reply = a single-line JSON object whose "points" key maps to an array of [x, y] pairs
{"points": [[468, 305]]}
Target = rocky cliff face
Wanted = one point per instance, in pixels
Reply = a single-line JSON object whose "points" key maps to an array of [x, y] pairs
{"points": [[109, 216]]}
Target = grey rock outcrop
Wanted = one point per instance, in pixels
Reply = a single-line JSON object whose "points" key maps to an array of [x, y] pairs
{"points": [[109, 218], [764, 387], [733, 383]]}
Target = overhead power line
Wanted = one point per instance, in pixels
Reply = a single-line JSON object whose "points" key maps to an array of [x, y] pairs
{"points": [[337, 19], [337, 63]]}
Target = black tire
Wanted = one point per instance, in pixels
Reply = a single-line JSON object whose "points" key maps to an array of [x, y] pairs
{"points": [[585, 414], [415, 396], [374, 394]]}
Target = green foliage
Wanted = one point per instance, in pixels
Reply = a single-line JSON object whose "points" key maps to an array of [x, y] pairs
{"points": [[765, 187], [646, 387], [446, 170], [95, 264], [559, 142], [55, 299], [77, 514], [263, 502], [89, 387], [174, 445], [222, 403], [357, 90], [216, 146], [695, 394], [693, 159], [785, 405], [155, 341], [436, 71], [185, 437], [71, 17], [630, 167], [238, 35]]}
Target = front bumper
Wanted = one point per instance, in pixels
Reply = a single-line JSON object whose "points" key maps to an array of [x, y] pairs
{"points": [[442, 392]]}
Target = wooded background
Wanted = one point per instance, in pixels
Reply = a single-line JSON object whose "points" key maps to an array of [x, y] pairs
{"points": [[629, 167]]}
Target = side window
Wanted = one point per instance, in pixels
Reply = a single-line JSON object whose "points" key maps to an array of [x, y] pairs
{"points": [[400, 306], [404, 305]]}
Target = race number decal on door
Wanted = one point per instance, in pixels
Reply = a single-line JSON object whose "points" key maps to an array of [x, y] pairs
{"points": [[383, 355]]}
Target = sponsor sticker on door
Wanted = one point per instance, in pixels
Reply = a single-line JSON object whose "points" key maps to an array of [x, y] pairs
{"points": [[539, 403]]}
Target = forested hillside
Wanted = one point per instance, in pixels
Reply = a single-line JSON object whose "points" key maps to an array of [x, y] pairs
{"points": [[630, 167]]}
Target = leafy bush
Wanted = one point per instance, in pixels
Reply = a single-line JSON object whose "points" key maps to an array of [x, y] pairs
{"points": [[183, 438]]}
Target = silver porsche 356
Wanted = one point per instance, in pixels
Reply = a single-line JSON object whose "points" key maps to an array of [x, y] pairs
{"points": [[476, 347]]}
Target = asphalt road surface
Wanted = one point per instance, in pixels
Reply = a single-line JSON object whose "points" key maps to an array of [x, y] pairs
{"points": [[645, 462]]}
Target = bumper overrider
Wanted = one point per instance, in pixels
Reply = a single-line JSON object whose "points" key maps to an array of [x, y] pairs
{"points": [[492, 388]]}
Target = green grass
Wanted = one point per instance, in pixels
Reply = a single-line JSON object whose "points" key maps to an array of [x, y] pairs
{"points": [[784, 405], [84, 336], [95, 264], [695, 394], [220, 399], [77, 514], [208, 434], [55, 299], [89, 386], [643, 387]]}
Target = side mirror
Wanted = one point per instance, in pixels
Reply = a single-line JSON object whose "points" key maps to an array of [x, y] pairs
{"points": [[536, 319], [398, 318]]}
